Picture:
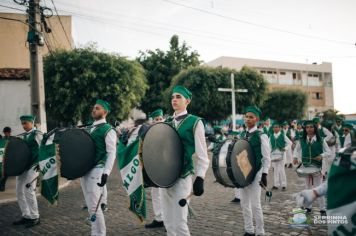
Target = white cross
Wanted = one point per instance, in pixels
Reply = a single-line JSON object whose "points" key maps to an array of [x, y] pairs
{"points": [[232, 90]]}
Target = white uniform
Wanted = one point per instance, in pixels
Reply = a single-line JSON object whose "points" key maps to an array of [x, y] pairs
{"points": [[251, 194], [26, 197], [279, 173], [89, 182], [289, 153], [347, 142], [174, 216], [313, 181]]}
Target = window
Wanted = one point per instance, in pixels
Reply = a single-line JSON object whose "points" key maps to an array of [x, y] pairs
{"points": [[310, 75], [294, 75], [282, 73], [269, 72], [263, 71], [316, 75], [317, 95]]}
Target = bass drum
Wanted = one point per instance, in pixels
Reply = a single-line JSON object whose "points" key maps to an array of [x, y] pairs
{"points": [[219, 166], [17, 157], [162, 156], [77, 152], [241, 164]]}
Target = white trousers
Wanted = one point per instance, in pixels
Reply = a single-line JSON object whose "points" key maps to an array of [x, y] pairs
{"points": [[279, 174], [92, 193], [312, 182], [251, 204], [175, 217], [156, 203], [26, 197], [237, 193], [288, 155]]}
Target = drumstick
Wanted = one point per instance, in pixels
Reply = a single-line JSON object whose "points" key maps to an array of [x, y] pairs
{"points": [[182, 202], [93, 217], [29, 184]]}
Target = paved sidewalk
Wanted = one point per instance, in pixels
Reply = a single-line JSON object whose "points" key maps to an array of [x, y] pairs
{"points": [[215, 214]]}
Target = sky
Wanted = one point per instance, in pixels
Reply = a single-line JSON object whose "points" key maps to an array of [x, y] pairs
{"points": [[301, 31]]}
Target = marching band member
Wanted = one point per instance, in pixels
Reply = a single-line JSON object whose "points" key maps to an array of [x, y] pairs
{"points": [[92, 183], [279, 143], [348, 135], [288, 132], [156, 116], [310, 151], [191, 131], [26, 197], [251, 194]]}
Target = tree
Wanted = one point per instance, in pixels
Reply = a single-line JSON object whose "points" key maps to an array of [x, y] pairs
{"points": [[210, 104], [285, 105], [160, 68], [75, 79], [331, 115]]}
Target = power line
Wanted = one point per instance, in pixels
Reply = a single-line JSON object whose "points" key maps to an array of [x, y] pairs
{"points": [[260, 25], [13, 8], [60, 21]]}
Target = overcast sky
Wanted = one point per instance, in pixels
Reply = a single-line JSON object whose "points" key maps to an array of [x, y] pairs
{"points": [[303, 31]]}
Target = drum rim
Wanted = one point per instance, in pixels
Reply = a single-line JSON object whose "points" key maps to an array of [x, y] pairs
{"points": [[215, 167], [144, 172]]}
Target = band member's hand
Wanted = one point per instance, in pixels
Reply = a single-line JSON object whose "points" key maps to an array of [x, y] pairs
{"points": [[318, 158], [104, 178], [263, 181], [198, 186], [295, 161], [305, 198]]}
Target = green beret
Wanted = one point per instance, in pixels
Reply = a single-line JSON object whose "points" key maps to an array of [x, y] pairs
{"points": [[255, 110], [30, 118], [300, 122], [156, 113], [309, 122], [329, 122], [104, 104], [183, 91], [285, 123], [217, 128], [316, 120], [275, 123], [347, 125]]}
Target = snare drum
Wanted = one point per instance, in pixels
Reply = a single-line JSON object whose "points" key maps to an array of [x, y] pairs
{"points": [[305, 171], [219, 164], [277, 155]]}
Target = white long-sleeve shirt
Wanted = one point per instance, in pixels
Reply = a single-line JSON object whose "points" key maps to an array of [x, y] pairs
{"points": [[110, 142], [347, 142], [328, 134], [265, 150], [298, 150], [203, 161]]}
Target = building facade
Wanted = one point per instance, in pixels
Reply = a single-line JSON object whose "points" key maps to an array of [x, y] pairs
{"points": [[313, 79], [15, 83]]}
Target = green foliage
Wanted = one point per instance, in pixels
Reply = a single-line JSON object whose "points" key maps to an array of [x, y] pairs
{"points": [[285, 105], [75, 79], [210, 104], [160, 68], [331, 114]]}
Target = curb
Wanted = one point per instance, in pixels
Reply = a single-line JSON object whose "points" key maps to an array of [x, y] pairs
{"points": [[14, 199]]}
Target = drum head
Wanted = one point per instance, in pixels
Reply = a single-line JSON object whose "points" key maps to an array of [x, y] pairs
{"points": [[241, 164], [77, 152], [162, 155], [17, 157]]}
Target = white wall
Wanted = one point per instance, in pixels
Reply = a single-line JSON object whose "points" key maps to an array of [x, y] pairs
{"points": [[14, 101]]}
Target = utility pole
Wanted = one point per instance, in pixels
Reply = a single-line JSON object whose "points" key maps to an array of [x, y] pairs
{"points": [[232, 90], [35, 40]]}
